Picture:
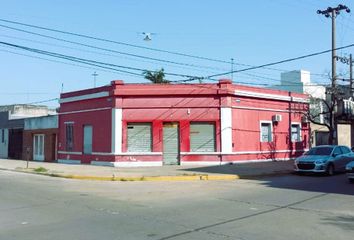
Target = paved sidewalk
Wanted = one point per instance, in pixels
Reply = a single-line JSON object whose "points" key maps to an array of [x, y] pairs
{"points": [[165, 173]]}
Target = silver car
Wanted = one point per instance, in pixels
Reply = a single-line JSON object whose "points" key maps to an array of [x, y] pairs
{"points": [[324, 159], [350, 171]]}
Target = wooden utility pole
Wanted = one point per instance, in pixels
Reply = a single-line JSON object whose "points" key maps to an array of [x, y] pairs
{"points": [[351, 75], [332, 13]]}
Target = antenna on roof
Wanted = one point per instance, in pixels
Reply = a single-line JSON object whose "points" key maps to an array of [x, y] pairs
{"points": [[94, 78]]}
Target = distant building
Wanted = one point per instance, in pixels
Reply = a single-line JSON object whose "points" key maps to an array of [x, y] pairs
{"points": [[300, 81], [12, 126], [40, 138]]}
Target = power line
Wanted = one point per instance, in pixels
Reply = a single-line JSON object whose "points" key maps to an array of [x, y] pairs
{"points": [[128, 44], [115, 42], [104, 49], [106, 54], [279, 62], [99, 64], [44, 101], [56, 61], [87, 61]]}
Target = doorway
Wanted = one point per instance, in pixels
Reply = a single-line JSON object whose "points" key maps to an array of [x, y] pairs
{"points": [[38, 147], [170, 143]]}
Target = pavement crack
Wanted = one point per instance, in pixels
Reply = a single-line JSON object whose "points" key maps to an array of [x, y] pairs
{"points": [[242, 218], [26, 207]]}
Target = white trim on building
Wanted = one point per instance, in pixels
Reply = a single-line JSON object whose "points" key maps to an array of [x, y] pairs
{"points": [[70, 153], [226, 129], [139, 164], [117, 116], [270, 96], [69, 161], [84, 97]]}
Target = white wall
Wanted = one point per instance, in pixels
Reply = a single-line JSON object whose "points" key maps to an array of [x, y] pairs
{"points": [[344, 134]]}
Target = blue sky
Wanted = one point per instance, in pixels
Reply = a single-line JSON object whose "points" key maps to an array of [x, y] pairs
{"points": [[252, 32]]}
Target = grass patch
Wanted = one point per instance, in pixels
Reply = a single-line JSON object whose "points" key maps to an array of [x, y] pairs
{"points": [[40, 170]]}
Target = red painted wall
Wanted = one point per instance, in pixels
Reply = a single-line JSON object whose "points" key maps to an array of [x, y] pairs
{"points": [[183, 103]]}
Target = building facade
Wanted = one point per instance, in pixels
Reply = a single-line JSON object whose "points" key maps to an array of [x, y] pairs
{"points": [[12, 121], [187, 124], [40, 138], [299, 81]]}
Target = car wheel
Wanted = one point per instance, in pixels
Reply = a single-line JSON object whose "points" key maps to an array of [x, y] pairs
{"points": [[330, 170]]}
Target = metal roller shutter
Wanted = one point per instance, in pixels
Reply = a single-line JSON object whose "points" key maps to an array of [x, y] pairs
{"points": [[202, 137], [139, 137], [170, 144]]}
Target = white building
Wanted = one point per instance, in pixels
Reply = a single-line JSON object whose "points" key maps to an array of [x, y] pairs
{"points": [[300, 81]]}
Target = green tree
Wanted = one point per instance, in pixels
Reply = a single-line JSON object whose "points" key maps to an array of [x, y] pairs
{"points": [[155, 76]]}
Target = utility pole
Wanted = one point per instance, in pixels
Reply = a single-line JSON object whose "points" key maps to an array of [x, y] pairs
{"points": [[94, 78], [351, 75], [232, 69], [332, 13]]}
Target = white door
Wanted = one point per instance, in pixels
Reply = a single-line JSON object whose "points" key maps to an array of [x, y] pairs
{"points": [[4, 140], [38, 147]]}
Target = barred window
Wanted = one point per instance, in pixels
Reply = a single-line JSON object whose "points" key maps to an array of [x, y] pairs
{"points": [[295, 132], [266, 132], [69, 133]]}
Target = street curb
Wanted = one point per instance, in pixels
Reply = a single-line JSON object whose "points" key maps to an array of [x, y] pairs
{"points": [[197, 177], [156, 178], [192, 177]]}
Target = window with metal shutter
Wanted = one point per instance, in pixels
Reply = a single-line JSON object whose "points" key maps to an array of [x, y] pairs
{"points": [[139, 137], [202, 137]]}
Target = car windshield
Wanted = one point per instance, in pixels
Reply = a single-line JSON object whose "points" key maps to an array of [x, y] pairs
{"points": [[320, 151]]}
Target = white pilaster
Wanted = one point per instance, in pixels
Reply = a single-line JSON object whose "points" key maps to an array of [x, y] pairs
{"points": [[226, 129], [116, 130]]}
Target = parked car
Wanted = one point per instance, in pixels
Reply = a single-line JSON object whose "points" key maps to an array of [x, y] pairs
{"points": [[350, 171], [324, 159]]}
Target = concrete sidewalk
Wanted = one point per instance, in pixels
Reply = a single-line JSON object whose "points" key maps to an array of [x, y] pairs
{"points": [[165, 173]]}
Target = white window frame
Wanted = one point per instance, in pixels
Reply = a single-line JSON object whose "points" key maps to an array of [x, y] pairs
{"points": [[271, 130], [291, 131]]}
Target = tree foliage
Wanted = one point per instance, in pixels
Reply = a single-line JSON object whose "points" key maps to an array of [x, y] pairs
{"points": [[322, 113], [156, 76]]}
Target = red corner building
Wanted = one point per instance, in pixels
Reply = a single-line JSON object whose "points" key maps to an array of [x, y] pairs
{"points": [[163, 124]]}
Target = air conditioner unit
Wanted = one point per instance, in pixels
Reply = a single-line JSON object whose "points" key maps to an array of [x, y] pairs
{"points": [[276, 118], [304, 119]]}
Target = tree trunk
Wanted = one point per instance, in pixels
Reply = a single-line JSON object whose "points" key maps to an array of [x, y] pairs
{"points": [[331, 136]]}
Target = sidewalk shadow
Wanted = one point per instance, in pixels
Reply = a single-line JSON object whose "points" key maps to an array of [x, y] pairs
{"points": [[246, 170]]}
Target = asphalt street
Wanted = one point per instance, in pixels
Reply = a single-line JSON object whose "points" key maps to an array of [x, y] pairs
{"points": [[283, 207]]}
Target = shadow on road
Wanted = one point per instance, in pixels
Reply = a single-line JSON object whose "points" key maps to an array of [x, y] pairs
{"points": [[246, 170], [280, 175], [337, 184], [344, 222]]}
